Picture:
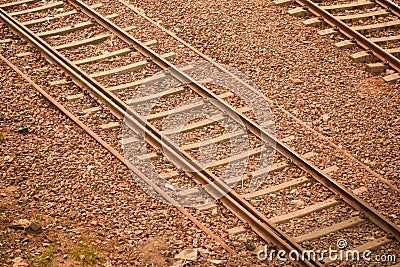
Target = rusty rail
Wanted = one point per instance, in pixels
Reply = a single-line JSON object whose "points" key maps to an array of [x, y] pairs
{"points": [[348, 196], [117, 155], [233, 201], [269, 101], [347, 31], [390, 6]]}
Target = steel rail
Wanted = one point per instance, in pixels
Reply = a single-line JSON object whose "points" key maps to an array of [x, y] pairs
{"points": [[348, 196], [246, 85], [117, 155], [389, 5], [353, 35], [238, 207], [233, 201]]}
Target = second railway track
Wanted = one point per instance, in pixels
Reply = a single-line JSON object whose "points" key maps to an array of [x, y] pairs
{"points": [[356, 21], [319, 193]]}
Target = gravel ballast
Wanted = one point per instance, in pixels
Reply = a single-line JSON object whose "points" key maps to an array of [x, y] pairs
{"points": [[297, 68], [55, 175]]}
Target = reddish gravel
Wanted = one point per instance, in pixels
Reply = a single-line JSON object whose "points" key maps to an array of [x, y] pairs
{"points": [[89, 165], [274, 49], [62, 179], [59, 174], [353, 175]]}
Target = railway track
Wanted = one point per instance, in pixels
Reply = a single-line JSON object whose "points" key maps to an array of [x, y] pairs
{"points": [[356, 21], [321, 194]]}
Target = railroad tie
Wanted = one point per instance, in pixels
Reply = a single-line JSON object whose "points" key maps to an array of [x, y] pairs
{"points": [[313, 22], [56, 16], [68, 29], [91, 110], [154, 78], [330, 169], [60, 82], [236, 230], [88, 41], [128, 68], [180, 109], [309, 155], [237, 157], [162, 94], [74, 97], [37, 9], [330, 229], [232, 181], [196, 125], [274, 168], [288, 139], [148, 156], [362, 56], [4, 41], [329, 31], [170, 175], [305, 211], [264, 171], [16, 3], [345, 44], [392, 77], [215, 140], [377, 67], [275, 188], [24, 54], [348, 6], [282, 2], [299, 12], [128, 140], [362, 15], [110, 126], [377, 26], [384, 39]]}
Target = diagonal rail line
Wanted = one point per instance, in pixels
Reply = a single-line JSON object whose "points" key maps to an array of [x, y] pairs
{"points": [[236, 203], [348, 196], [233, 201], [353, 35]]}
